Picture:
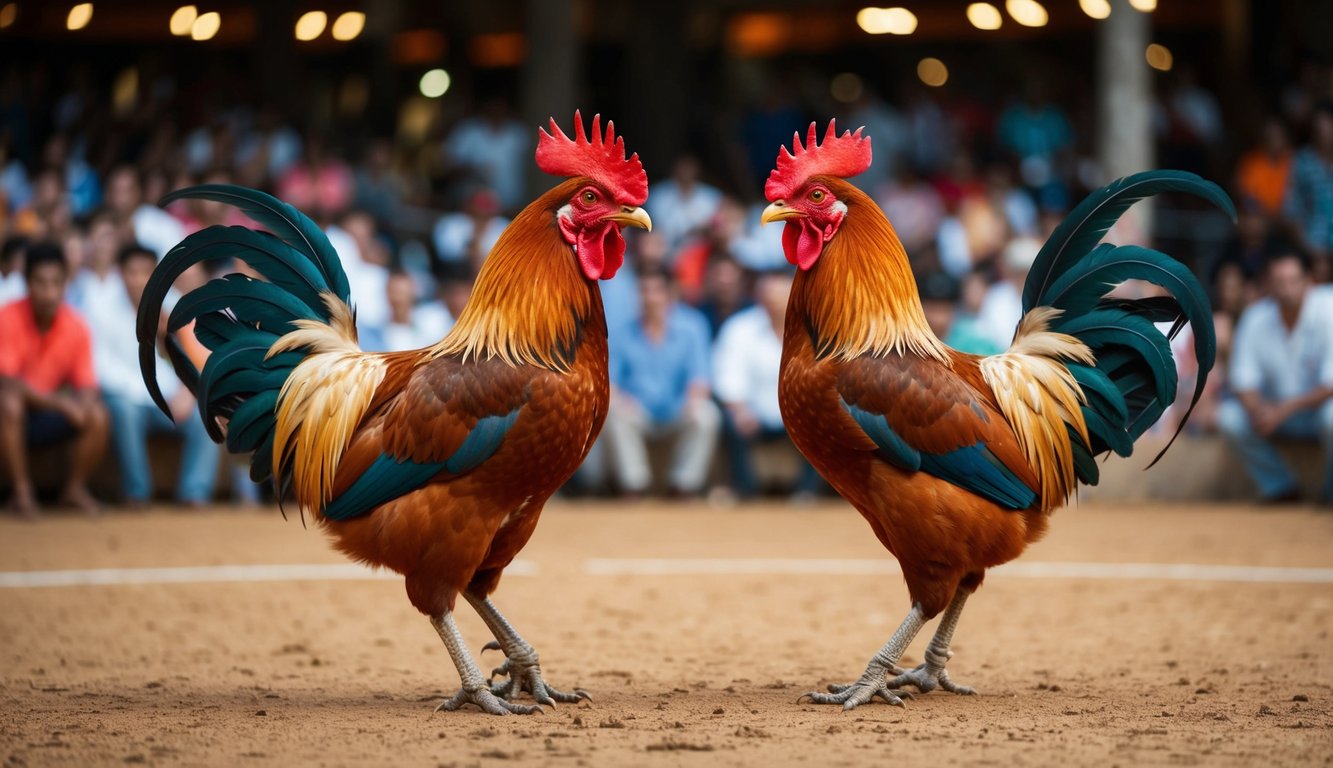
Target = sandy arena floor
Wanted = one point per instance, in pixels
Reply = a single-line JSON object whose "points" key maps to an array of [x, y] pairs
{"points": [[694, 629]]}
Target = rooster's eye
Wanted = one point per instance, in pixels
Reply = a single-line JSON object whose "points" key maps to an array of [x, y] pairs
{"points": [[589, 197], [817, 196]]}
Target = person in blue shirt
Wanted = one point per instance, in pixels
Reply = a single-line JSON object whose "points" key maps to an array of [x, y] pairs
{"points": [[660, 390]]}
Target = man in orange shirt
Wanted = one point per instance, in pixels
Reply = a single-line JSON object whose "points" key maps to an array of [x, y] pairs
{"points": [[48, 392]]}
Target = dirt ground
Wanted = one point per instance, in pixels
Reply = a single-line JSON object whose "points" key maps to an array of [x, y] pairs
{"points": [[694, 666]]}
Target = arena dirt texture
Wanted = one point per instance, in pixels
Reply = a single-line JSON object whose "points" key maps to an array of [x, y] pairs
{"points": [[685, 669]]}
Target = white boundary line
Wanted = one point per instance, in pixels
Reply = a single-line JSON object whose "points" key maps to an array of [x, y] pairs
{"points": [[214, 574], [1025, 570]]}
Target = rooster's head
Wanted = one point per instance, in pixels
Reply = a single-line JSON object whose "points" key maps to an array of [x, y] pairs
{"points": [[613, 190], [801, 193]]}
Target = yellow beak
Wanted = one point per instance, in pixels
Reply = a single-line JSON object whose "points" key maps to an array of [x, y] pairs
{"points": [[777, 212], [634, 217]]}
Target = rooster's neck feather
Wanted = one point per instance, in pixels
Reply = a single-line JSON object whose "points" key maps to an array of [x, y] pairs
{"points": [[531, 303], [860, 297]]}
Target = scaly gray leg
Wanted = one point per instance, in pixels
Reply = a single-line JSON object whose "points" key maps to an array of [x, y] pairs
{"points": [[474, 690], [875, 680], [521, 661], [931, 675]]}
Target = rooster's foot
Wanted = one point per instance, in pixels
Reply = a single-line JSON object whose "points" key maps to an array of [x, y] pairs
{"points": [[926, 678], [875, 683], [525, 675], [487, 701]]}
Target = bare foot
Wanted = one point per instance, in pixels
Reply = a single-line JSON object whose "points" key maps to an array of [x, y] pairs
{"points": [[24, 505], [79, 498]]}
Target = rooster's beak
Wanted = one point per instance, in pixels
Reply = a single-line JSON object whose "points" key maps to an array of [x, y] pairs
{"points": [[634, 217], [777, 212]]}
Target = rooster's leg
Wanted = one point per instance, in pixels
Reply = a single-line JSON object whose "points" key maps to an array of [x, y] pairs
{"points": [[931, 675], [521, 663], [875, 681], [474, 690]]}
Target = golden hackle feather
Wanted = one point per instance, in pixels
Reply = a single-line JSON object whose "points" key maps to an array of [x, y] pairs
{"points": [[1039, 396], [861, 299], [322, 402], [505, 317]]}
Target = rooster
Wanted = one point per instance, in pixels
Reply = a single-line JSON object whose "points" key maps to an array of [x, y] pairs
{"points": [[957, 461], [434, 463]]}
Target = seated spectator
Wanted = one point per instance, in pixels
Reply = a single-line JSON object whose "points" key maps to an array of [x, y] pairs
{"points": [[98, 282], [683, 204], [468, 235], [1309, 199], [12, 287], [659, 381], [48, 391], [133, 414], [409, 327], [940, 295], [1003, 306], [1262, 172], [746, 362], [1282, 376], [142, 221]]}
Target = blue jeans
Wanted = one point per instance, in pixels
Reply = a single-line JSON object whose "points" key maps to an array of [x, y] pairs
{"points": [[744, 481], [1262, 460], [132, 423]]}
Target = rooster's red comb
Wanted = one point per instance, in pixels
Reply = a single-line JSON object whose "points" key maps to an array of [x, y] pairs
{"points": [[602, 159], [841, 156]]}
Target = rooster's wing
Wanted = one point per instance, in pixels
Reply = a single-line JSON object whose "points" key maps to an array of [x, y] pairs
{"points": [[443, 418], [922, 416]]}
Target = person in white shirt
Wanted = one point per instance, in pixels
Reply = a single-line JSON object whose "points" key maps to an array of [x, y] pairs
{"points": [[497, 148], [149, 225], [468, 235], [746, 360], [682, 204], [132, 412], [410, 326], [1003, 306], [1282, 376]]}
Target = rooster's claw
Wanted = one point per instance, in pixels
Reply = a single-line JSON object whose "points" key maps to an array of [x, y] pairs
{"points": [[488, 702]]}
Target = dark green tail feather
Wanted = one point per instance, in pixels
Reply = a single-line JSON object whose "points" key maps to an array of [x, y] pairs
{"points": [[1135, 376], [238, 318]]}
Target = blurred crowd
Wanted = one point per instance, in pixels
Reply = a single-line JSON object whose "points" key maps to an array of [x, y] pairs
{"points": [[696, 316]]}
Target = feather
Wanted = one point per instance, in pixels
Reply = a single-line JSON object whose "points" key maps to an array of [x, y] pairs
{"points": [[266, 305], [1088, 222], [284, 221]]}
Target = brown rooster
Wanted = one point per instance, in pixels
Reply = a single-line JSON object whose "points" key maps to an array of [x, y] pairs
{"points": [[957, 461], [434, 463]]}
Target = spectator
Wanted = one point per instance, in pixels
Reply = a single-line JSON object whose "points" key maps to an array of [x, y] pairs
{"points": [[495, 147], [940, 296], [453, 287], [1282, 376], [141, 221], [407, 327], [1037, 132], [12, 287], [682, 205], [97, 283], [1309, 201], [321, 184], [133, 414], [726, 292], [378, 189], [468, 235], [1263, 172], [1003, 306], [48, 391], [659, 378], [746, 362]]}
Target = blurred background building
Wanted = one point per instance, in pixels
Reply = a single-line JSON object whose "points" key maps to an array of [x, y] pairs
{"points": [[406, 128]]}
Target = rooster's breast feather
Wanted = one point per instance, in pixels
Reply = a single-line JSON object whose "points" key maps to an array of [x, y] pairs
{"points": [[922, 416], [444, 418]]}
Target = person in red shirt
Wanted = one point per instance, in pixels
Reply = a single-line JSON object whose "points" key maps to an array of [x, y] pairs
{"points": [[48, 393]]}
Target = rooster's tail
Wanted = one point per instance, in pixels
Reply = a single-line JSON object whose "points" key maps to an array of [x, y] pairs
{"points": [[1133, 377], [284, 349]]}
